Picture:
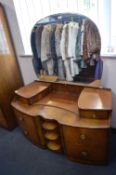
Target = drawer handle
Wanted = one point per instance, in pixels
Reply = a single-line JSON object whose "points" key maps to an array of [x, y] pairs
{"points": [[94, 116], [83, 137], [84, 153], [26, 132], [21, 118]]}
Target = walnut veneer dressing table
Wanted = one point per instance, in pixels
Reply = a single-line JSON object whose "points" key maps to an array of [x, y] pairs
{"points": [[69, 118], [66, 117]]}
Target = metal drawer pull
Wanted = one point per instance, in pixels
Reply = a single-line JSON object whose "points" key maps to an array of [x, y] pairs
{"points": [[83, 137], [94, 116], [84, 153], [21, 118], [25, 132]]}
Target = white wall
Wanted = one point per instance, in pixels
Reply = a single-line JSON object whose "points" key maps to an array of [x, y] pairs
{"points": [[109, 80], [25, 63]]}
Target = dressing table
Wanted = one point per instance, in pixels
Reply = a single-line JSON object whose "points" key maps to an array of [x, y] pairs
{"points": [[69, 118], [65, 116]]}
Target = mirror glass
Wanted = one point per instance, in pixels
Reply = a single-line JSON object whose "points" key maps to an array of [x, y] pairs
{"points": [[67, 46]]}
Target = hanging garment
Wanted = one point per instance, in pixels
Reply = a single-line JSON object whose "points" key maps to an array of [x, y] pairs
{"points": [[45, 43], [53, 51], [79, 46], [38, 34], [73, 28], [60, 63], [61, 69], [63, 47], [92, 40], [58, 33], [35, 60], [46, 56]]}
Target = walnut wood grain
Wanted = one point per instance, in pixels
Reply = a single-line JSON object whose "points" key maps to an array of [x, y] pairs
{"points": [[95, 99], [92, 149], [61, 123], [10, 77], [62, 116], [31, 89]]}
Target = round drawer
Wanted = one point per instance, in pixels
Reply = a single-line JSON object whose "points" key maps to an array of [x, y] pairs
{"points": [[51, 135], [54, 146], [49, 125]]}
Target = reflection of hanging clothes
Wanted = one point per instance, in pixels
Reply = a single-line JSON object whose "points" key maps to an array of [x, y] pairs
{"points": [[38, 39], [53, 51], [58, 33], [72, 36], [92, 41], [47, 61], [60, 63], [36, 60], [63, 47], [79, 47]]}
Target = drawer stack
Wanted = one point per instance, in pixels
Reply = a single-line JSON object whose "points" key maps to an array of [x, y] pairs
{"points": [[86, 145], [52, 135]]}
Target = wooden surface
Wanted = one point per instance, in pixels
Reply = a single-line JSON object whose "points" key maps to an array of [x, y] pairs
{"points": [[95, 83], [10, 77], [48, 78], [95, 99], [60, 124], [63, 117], [32, 89], [28, 126], [62, 105], [86, 145], [67, 101]]}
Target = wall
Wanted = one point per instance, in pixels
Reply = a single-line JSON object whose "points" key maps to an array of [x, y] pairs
{"points": [[25, 63], [108, 80]]}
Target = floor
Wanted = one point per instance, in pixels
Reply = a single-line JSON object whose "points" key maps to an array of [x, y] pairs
{"points": [[18, 156]]}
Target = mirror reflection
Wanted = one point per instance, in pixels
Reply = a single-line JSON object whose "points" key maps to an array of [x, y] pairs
{"points": [[67, 46]]}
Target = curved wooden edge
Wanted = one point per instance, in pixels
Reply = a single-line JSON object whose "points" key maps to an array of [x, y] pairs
{"points": [[63, 117], [32, 89], [95, 99]]}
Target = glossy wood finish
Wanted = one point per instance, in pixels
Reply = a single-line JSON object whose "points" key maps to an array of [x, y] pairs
{"points": [[86, 145], [33, 92], [95, 103], [10, 78], [61, 124], [63, 117], [28, 125], [95, 99]]}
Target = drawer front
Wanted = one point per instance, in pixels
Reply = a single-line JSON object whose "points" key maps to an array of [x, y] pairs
{"points": [[94, 114], [85, 144], [84, 135], [28, 126], [89, 153]]}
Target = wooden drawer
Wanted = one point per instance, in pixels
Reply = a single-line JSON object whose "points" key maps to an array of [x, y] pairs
{"points": [[94, 114], [32, 92], [85, 144], [89, 153], [28, 126], [85, 136]]}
